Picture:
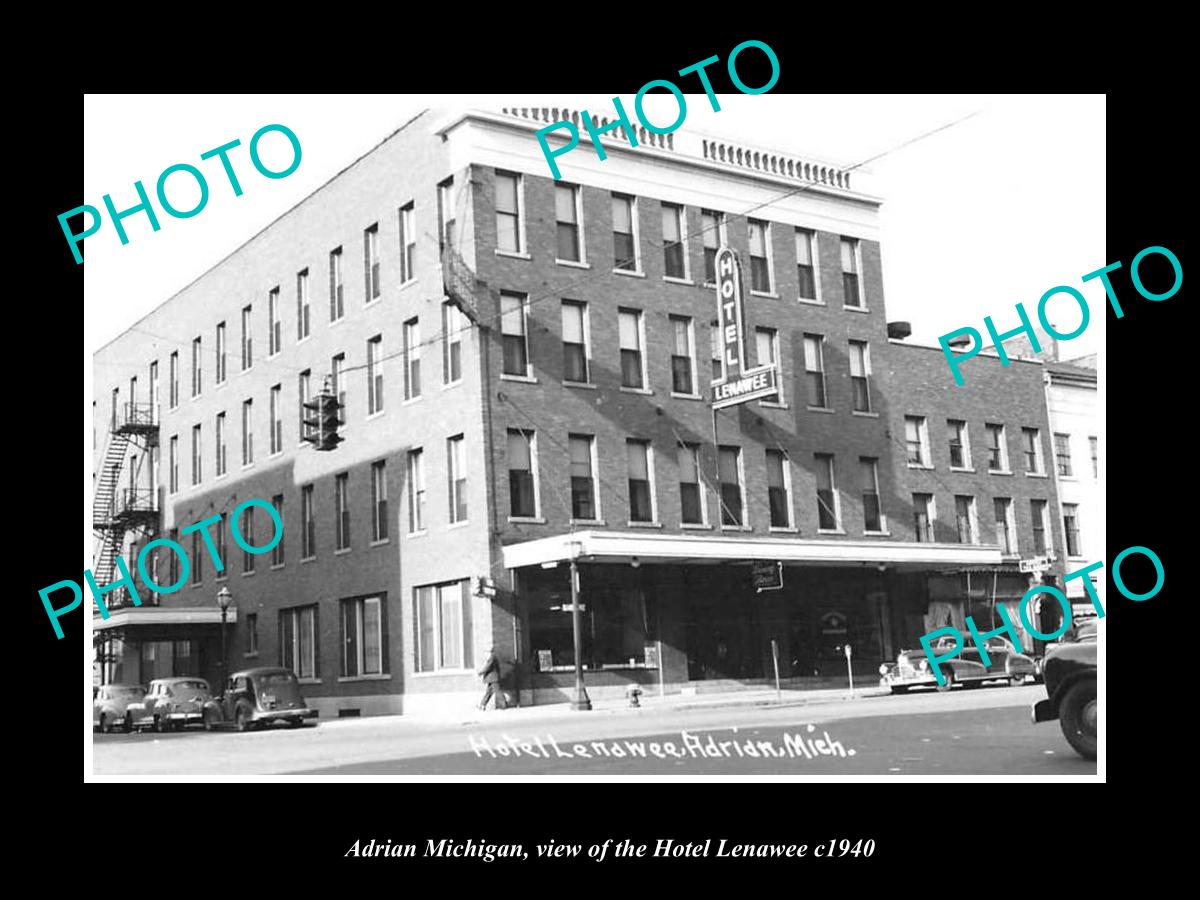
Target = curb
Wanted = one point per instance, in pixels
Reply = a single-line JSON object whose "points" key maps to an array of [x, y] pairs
{"points": [[780, 703], [551, 711]]}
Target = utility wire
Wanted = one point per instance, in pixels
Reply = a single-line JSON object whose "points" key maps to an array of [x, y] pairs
{"points": [[562, 498], [715, 489], [600, 480], [592, 276]]}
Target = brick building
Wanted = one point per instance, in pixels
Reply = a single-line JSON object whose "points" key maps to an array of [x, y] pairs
{"points": [[1072, 399], [561, 413]]}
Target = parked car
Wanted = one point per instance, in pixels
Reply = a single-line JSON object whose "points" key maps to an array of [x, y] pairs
{"points": [[170, 703], [110, 703], [1070, 677], [1080, 632], [258, 697], [912, 668]]}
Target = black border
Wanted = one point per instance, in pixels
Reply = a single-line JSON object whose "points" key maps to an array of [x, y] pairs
{"points": [[1146, 443]]}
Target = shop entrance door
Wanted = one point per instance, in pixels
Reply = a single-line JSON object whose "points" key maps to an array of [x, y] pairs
{"points": [[724, 636]]}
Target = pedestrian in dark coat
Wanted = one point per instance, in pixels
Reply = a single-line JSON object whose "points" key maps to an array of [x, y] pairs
{"points": [[490, 673]]}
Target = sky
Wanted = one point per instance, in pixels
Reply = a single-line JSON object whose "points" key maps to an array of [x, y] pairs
{"points": [[992, 211]]}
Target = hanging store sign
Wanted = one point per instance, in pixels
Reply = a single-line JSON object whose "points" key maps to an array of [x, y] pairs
{"points": [[1034, 564], [738, 382], [766, 576]]}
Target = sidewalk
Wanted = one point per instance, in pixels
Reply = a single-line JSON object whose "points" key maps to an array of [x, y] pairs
{"points": [[650, 704]]}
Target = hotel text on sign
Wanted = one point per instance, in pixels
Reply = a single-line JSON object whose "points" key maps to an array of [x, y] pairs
{"points": [[738, 382]]}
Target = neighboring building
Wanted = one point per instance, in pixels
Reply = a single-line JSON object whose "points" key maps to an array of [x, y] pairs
{"points": [[1072, 395], [575, 423], [1071, 398]]}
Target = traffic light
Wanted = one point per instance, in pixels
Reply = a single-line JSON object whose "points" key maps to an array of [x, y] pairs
{"points": [[311, 420], [330, 408], [321, 422]]}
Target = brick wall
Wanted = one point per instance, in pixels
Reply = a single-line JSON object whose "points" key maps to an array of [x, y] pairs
{"points": [[614, 414]]}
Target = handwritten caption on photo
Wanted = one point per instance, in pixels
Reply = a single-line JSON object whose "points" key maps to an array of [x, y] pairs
{"points": [[690, 746]]}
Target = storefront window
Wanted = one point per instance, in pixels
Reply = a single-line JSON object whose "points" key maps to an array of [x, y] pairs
{"points": [[618, 621], [619, 628]]}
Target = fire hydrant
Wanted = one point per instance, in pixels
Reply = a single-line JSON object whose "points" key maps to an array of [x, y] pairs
{"points": [[634, 693]]}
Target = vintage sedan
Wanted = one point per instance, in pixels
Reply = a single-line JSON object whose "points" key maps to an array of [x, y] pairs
{"points": [[109, 705], [912, 668], [170, 703], [1070, 677], [1080, 632], [258, 697]]}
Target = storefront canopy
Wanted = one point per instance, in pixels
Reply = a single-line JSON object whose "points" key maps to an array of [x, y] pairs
{"points": [[623, 546], [155, 623]]}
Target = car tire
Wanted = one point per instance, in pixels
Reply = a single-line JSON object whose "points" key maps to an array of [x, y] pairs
{"points": [[242, 717], [105, 724], [947, 680], [127, 725], [902, 689], [159, 725], [1016, 680], [1077, 715], [210, 720]]}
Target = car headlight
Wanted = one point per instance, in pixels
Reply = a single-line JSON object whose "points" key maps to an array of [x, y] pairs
{"points": [[924, 665], [883, 669]]}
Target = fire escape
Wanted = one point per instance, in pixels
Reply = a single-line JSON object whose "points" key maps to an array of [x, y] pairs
{"points": [[466, 290], [120, 512]]}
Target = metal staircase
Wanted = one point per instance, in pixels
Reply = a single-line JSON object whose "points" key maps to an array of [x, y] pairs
{"points": [[108, 529], [116, 513]]}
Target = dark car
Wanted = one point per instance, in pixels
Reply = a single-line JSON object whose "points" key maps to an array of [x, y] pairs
{"points": [[258, 697], [1070, 677], [1079, 632]]}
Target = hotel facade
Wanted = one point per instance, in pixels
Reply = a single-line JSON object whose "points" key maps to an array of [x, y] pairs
{"points": [[525, 367]]}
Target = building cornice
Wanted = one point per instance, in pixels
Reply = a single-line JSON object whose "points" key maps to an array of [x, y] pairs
{"points": [[691, 149]]}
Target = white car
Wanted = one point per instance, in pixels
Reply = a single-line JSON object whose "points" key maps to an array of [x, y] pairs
{"points": [[110, 703]]}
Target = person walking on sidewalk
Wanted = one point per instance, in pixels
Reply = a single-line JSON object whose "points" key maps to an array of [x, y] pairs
{"points": [[490, 673]]}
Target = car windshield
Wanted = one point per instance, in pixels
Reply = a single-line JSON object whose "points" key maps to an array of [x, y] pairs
{"points": [[127, 691], [189, 688]]}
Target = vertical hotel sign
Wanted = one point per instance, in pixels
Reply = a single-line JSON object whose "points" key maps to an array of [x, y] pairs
{"points": [[738, 382]]}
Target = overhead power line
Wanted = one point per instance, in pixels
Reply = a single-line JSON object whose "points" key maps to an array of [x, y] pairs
{"points": [[561, 290]]}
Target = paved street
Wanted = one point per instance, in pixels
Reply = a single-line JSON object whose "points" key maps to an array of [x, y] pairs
{"points": [[985, 731]]}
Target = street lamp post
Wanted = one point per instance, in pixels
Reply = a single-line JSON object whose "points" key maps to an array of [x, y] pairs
{"points": [[224, 598], [581, 700]]}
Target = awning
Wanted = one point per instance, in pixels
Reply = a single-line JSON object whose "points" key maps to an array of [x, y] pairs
{"points": [[1007, 567], [151, 616], [622, 546]]}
